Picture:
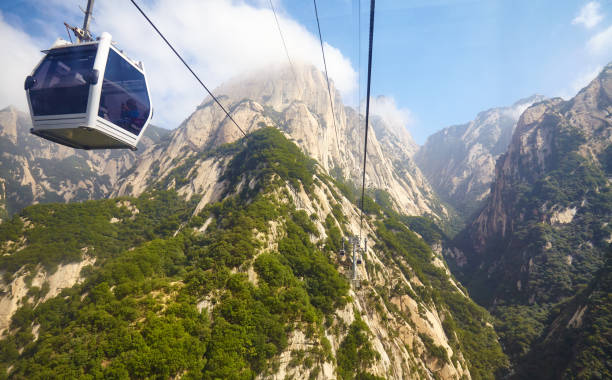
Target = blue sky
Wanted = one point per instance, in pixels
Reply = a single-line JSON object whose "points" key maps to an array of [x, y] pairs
{"points": [[445, 61], [437, 62]]}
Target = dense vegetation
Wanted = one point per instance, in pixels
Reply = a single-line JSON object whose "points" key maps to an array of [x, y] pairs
{"points": [[356, 354], [135, 315], [267, 151], [141, 306], [578, 343], [59, 233]]}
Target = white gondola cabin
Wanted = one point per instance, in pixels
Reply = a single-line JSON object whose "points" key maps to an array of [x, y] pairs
{"points": [[89, 95]]}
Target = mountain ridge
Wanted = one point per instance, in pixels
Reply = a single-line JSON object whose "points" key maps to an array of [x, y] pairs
{"points": [[34, 170], [302, 111], [252, 284]]}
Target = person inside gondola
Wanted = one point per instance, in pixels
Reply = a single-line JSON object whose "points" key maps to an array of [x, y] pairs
{"points": [[130, 116], [132, 110]]}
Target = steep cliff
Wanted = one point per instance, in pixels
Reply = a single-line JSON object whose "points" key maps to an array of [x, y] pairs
{"points": [[459, 161]]}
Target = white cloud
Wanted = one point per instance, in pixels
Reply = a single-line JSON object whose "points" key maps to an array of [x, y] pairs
{"points": [[21, 54], [397, 118], [517, 110], [220, 39], [601, 43], [589, 15]]}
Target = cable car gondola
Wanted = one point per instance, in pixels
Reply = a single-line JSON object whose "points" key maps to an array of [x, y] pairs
{"points": [[89, 95]]}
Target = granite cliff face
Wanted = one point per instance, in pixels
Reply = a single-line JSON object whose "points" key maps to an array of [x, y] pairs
{"points": [[459, 161], [546, 227], [33, 170], [547, 135], [300, 107]]}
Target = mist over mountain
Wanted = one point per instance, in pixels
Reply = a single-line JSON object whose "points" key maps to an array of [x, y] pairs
{"points": [[459, 161]]}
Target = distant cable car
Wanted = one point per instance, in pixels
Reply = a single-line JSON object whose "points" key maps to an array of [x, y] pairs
{"points": [[342, 250], [89, 95], [365, 245]]}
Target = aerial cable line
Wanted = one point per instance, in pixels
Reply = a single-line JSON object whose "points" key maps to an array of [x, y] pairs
{"points": [[326, 75], [188, 67], [367, 115], [283, 39], [358, 102]]}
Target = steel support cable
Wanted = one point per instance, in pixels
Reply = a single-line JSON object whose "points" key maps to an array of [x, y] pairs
{"points": [[326, 75], [188, 67], [283, 39], [367, 115]]}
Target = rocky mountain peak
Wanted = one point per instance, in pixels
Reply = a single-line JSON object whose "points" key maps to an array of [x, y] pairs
{"points": [[584, 121], [261, 98], [591, 107], [522, 104], [281, 86], [9, 119], [295, 100]]}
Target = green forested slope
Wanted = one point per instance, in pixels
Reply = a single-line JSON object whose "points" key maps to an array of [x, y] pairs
{"points": [[578, 344]]}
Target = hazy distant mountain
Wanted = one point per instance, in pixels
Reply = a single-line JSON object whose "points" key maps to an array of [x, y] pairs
{"points": [[459, 161], [546, 226], [33, 170]]}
